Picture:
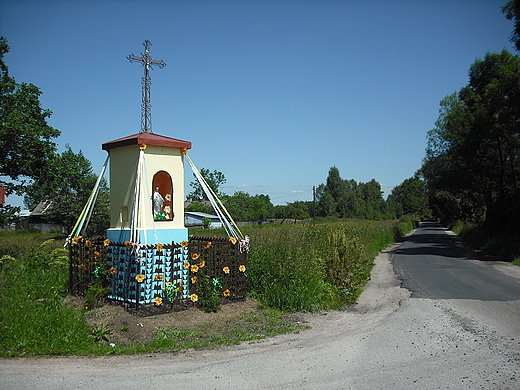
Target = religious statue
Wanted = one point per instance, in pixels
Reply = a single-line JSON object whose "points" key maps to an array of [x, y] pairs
{"points": [[158, 202]]}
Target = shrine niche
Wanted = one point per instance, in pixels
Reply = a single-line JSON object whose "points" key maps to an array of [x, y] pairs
{"points": [[162, 197]]}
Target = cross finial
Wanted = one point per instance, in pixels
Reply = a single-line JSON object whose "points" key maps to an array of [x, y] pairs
{"points": [[146, 60]]}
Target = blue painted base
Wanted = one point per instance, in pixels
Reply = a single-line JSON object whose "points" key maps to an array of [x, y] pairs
{"points": [[150, 236], [158, 269]]}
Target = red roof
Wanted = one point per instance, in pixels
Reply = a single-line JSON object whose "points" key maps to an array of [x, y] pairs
{"points": [[147, 139]]}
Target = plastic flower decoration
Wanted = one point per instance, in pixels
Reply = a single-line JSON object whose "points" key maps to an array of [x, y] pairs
{"points": [[97, 255], [113, 270], [233, 240], [194, 268], [139, 278], [83, 267], [195, 256], [184, 244], [184, 150], [106, 242], [187, 265], [202, 264], [159, 247], [242, 268], [226, 293], [158, 277], [208, 245], [88, 243], [128, 244], [226, 270], [193, 279], [158, 301], [194, 297], [75, 240]]}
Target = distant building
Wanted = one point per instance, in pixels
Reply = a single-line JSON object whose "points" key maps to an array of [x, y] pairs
{"points": [[194, 218]]}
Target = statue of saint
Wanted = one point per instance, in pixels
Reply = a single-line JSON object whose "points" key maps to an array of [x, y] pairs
{"points": [[158, 202]]}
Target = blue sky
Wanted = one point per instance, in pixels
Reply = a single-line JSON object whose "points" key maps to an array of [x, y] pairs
{"points": [[271, 93]]}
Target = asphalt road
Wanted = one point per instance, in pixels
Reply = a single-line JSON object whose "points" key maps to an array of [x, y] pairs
{"points": [[454, 326]]}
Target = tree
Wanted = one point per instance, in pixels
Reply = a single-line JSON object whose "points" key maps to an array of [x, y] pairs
{"points": [[410, 197], [512, 11], [66, 187], [472, 154], [214, 180], [26, 144]]}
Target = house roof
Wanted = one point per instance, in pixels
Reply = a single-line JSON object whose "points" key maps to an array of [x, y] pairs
{"points": [[202, 215], [147, 139]]}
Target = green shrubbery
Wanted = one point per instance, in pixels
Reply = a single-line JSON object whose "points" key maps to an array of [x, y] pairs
{"points": [[314, 267]]}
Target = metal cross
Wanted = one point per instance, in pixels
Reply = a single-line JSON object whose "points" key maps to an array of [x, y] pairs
{"points": [[146, 59]]}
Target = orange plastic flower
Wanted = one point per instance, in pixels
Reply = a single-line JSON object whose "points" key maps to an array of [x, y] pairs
{"points": [[159, 247], [158, 301], [106, 242], [184, 150], [75, 240], [233, 240], [187, 265], [195, 256], [194, 297], [88, 243], [128, 244], [194, 268], [226, 270], [139, 278], [242, 268], [202, 264], [83, 267], [97, 255], [208, 245], [184, 244], [193, 279], [113, 270], [226, 293], [158, 277]]}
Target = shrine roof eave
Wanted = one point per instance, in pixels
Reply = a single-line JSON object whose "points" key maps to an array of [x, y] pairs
{"points": [[147, 139]]}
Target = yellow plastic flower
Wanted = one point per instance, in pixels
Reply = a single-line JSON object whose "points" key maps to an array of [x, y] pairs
{"points": [[88, 243], [113, 270], [128, 244], [75, 240], [184, 150], [187, 265], [97, 255], [159, 247], [106, 242], [193, 279], [226, 270], [194, 297], [158, 301], [202, 264], [168, 284], [194, 268], [139, 278], [208, 245], [226, 293], [195, 256], [233, 240], [242, 268], [184, 244], [158, 277]]}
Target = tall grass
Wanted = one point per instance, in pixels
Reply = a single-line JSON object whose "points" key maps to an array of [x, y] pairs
{"points": [[33, 318], [314, 267]]}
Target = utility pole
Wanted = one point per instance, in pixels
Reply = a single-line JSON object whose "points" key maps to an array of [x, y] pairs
{"points": [[147, 62]]}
